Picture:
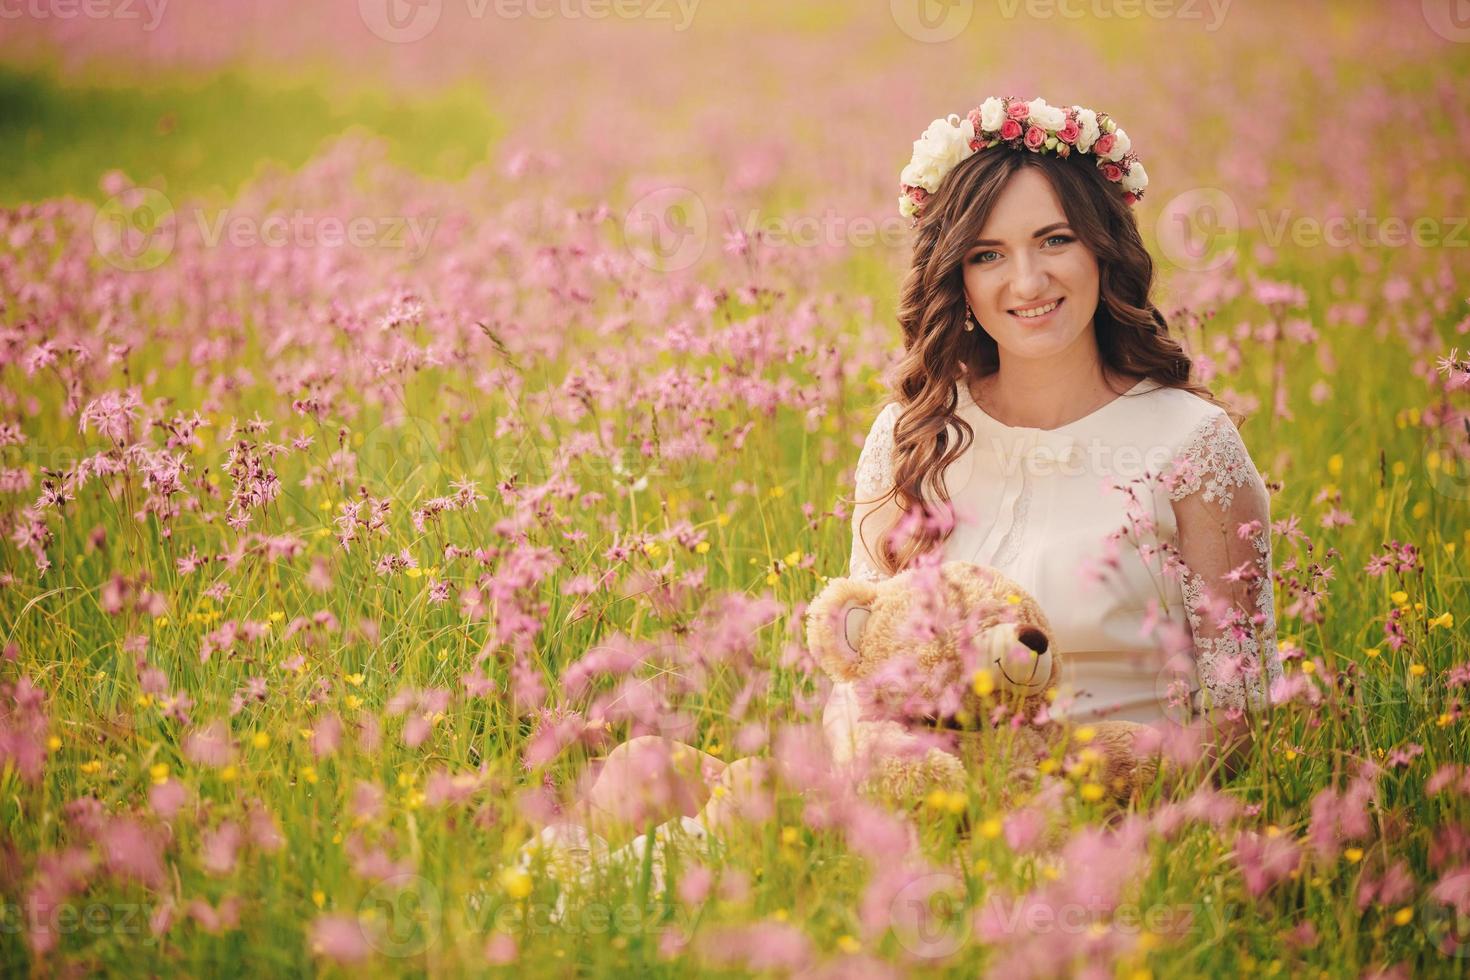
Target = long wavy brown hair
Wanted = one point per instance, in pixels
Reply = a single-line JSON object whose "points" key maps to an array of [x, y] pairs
{"points": [[1132, 334]]}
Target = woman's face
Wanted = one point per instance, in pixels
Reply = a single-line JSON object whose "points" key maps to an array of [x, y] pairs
{"points": [[1027, 258]]}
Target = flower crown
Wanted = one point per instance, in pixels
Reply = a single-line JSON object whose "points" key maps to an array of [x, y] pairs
{"points": [[1020, 125]]}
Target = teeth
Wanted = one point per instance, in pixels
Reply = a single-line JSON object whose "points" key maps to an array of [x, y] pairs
{"points": [[1039, 311]]}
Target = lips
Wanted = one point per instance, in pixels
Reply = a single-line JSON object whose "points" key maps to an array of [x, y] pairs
{"points": [[1048, 308]]}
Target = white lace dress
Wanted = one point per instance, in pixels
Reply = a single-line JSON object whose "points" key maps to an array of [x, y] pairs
{"points": [[1143, 529]]}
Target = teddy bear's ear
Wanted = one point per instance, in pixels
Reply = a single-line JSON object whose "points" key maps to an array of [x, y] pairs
{"points": [[835, 622]]}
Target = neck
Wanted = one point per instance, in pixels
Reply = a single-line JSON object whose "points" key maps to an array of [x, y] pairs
{"points": [[1046, 393]]}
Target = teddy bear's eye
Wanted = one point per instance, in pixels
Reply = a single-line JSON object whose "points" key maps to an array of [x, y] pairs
{"points": [[1033, 639]]}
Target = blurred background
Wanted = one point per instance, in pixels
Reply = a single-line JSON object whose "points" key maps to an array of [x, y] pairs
{"points": [[782, 109]]}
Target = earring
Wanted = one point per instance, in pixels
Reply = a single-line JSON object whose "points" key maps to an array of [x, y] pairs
{"points": [[969, 318]]}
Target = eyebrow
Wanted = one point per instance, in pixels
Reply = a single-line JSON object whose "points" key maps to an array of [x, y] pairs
{"points": [[979, 243]]}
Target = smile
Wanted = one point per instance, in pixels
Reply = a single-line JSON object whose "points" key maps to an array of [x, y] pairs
{"points": [[1037, 312], [1026, 683]]}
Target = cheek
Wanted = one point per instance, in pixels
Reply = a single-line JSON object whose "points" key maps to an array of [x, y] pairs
{"points": [[978, 290], [1082, 273]]}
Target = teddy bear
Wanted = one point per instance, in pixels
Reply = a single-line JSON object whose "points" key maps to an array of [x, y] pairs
{"points": [[930, 667], [939, 661]]}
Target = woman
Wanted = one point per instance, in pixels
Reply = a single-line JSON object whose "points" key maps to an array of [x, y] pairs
{"points": [[1044, 420], [1046, 424]]}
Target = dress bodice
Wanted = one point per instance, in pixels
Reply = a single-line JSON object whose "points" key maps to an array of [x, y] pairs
{"points": [[1083, 516]]}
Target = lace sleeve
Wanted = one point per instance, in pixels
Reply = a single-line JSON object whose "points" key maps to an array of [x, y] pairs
{"points": [[1223, 514], [873, 478]]}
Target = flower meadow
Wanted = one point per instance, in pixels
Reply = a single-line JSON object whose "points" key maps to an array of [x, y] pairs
{"points": [[356, 502]]}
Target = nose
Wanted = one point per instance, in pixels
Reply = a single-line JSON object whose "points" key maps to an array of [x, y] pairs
{"points": [[1033, 639], [1030, 281]]}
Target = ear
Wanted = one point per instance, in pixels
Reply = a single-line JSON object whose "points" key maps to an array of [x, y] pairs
{"points": [[835, 623]]}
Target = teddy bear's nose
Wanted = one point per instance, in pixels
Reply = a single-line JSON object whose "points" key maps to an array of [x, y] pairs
{"points": [[1033, 639]]}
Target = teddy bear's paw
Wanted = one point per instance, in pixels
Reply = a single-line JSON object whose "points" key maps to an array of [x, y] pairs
{"points": [[907, 781]]}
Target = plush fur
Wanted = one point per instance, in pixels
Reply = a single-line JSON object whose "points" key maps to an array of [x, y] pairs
{"points": [[854, 628]]}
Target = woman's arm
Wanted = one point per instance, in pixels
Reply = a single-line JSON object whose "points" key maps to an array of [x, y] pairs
{"points": [[873, 479], [1222, 510]]}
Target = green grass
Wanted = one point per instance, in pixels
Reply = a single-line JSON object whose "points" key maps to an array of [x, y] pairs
{"points": [[208, 137]]}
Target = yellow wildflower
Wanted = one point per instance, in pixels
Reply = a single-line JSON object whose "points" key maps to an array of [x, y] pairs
{"points": [[517, 883]]}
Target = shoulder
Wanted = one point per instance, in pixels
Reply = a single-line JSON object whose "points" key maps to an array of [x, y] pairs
{"points": [[880, 433], [1211, 460], [1172, 418], [875, 462]]}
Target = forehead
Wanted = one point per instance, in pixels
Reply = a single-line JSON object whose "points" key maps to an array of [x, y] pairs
{"points": [[1026, 202]]}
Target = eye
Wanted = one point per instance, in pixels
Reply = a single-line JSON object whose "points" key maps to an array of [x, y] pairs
{"points": [[1064, 239], [978, 257]]}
